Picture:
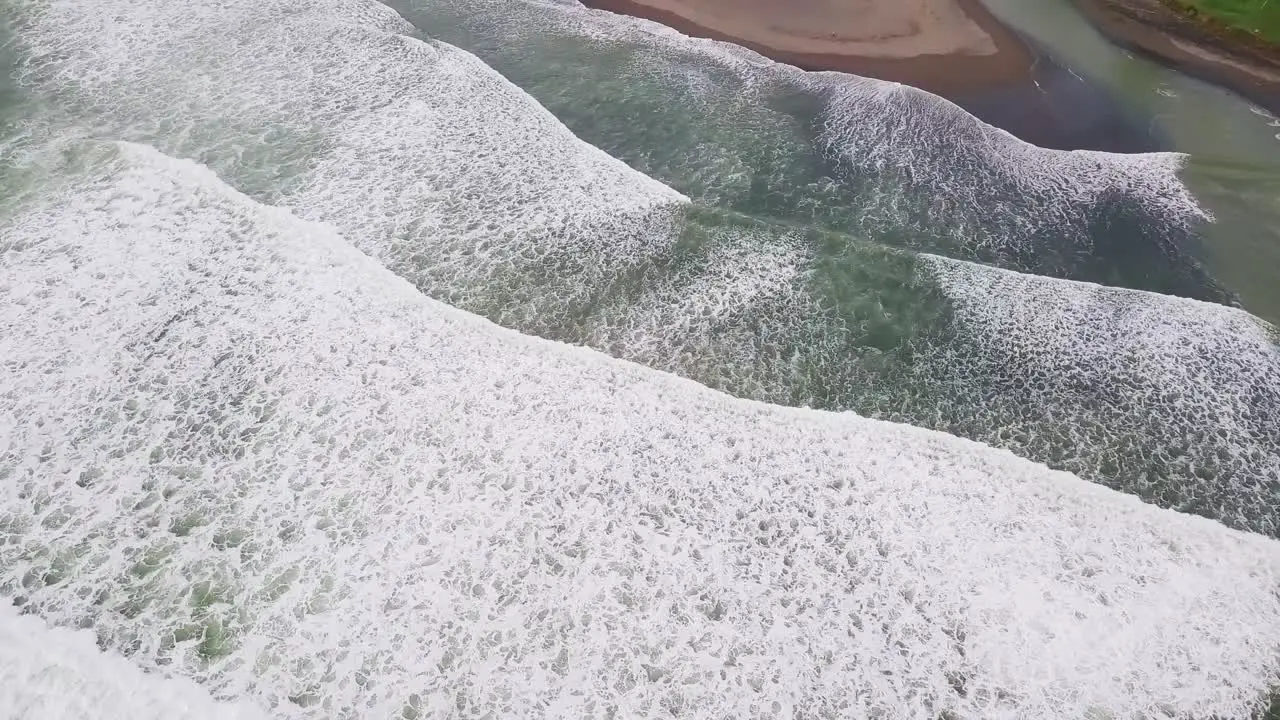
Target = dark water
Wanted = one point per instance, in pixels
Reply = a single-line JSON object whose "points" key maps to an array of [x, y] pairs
{"points": [[1234, 147], [1063, 110]]}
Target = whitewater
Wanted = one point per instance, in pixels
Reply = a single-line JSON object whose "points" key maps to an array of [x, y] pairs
{"points": [[251, 450], [58, 673]]}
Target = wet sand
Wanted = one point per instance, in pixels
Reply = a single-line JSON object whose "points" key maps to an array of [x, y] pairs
{"points": [[1232, 59], [943, 46], [953, 48]]}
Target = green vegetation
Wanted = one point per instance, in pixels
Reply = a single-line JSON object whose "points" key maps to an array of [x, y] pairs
{"points": [[1259, 17]]}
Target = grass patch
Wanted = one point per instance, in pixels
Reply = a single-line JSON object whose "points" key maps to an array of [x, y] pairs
{"points": [[1259, 17]]}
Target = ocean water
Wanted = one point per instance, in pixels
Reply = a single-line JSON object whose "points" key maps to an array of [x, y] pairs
{"points": [[888, 168], [286, 415], [794, 255]]}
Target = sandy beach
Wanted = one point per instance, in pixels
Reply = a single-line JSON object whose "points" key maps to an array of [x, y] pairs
{"points": [[867, 28], [953, 48], [944, 46]]}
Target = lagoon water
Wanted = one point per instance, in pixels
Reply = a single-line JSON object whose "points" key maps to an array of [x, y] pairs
{"points": [[285, 411], [1233, 146]]}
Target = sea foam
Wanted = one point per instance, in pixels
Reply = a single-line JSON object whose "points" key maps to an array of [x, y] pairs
{"points": [[58, 673], [426, 157], [243, 451], [1183, 395], [872, 158], [460, 182]]}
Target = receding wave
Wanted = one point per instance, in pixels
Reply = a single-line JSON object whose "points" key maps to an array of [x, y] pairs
{"points": [[245, 452]]}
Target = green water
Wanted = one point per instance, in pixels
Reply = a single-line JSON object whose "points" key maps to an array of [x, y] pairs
{"points": [[1234, 147], [901, 171]]}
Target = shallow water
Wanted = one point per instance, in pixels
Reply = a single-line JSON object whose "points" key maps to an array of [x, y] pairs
{"points": [[288, 475], [1234, 147], [244, 442]]}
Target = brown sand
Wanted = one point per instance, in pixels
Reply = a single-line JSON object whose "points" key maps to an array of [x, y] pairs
{"points": [[943, 46], [952, 48], [1235, 60]]}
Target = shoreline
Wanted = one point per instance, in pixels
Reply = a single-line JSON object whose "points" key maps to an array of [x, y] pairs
{"points": [[988, 69], [946, 74], [1231, 59]]}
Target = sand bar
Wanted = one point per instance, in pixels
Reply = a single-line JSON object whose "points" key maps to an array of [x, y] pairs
{"points": [[944, 46]]}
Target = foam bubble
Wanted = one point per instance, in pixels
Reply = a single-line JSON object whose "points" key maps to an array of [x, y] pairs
{"points": [[243, 451], [702, 318], [1120, 219], [1182, 398], [333, 111], [428, 158], [1171, 399]]}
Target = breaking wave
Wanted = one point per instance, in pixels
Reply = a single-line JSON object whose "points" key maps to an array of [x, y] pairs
{"points": [[285, 473], [786, 271], [875, 159], [57, 673], [244, 442]]}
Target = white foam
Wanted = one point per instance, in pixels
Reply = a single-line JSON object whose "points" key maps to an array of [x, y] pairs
{"points": [[976, 168], [706, 314], [997, 192], [1195, 386], [458, 181], [426, 157], [946, 182], [244, 451], [48, 673]]}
